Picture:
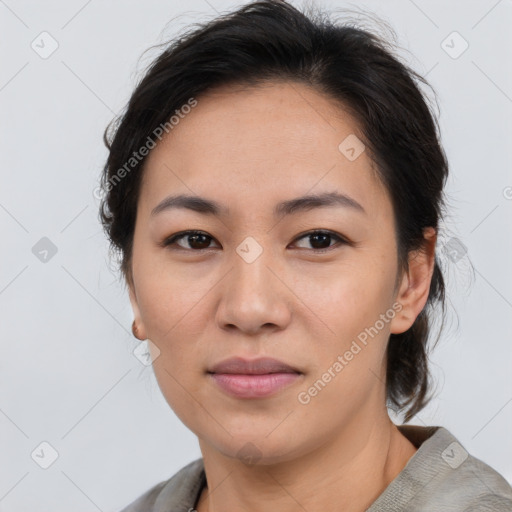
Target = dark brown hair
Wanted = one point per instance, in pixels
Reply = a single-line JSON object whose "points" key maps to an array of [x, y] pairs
{"points": [[271, 41]]}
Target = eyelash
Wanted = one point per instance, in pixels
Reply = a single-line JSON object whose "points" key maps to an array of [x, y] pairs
{"points": [[183, 234]]}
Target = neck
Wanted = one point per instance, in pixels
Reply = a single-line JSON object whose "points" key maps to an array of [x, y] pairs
{"points": [[345, 473]]}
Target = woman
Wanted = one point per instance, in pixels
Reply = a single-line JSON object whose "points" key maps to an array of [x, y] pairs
{"points": [[274, 189]]}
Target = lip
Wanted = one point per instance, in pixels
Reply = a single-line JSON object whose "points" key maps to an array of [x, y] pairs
{"points": [[260, 366], [257, 378]]}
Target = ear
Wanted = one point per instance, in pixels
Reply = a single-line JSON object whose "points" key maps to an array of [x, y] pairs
{"points": [[141, 330], [415, 283]]}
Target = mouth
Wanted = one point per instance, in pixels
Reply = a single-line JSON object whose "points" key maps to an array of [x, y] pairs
{"points": [[261, 366], [257, 378]]}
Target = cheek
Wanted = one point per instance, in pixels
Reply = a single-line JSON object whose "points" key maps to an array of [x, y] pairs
{"points": [[171, 298], [351, 346], [347, 298], [172, 308], [349, 302]]}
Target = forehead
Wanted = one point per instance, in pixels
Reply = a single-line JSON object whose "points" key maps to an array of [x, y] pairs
{"points": [[272, 141]]}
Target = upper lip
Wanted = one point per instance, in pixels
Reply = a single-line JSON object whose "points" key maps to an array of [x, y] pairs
{"points": [[258, 366]]}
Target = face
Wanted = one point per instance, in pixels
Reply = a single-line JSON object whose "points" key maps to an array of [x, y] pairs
{"points": [[305, 283]]}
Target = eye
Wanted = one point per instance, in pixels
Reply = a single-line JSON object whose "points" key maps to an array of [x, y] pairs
{"points": [[320, 240], [196, 240], [199, 240]]}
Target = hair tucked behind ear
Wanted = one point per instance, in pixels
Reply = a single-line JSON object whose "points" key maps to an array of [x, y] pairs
{"points": [[408, 377]]}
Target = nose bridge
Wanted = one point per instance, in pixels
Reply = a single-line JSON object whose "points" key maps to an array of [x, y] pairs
{"points": [[252, 296], [252, 277]]}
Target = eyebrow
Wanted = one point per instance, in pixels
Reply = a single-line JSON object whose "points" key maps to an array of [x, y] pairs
{"points": [[308, 202]]}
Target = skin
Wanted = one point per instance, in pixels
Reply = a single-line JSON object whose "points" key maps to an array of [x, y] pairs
{"points": [[250, 149]]}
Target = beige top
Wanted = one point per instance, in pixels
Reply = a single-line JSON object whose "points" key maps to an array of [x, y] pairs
{"points": [[440, 477]]}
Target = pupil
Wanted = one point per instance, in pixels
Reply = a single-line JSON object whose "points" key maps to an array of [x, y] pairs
{"points": [[193, 239], [325, 238]]}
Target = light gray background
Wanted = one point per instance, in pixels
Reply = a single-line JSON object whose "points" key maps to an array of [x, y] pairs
{"points": [[67, 373]]}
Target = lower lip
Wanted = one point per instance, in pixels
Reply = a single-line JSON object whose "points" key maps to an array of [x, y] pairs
{"points": [[253, 386]]}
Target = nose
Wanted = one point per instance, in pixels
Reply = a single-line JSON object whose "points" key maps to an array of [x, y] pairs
{"points": [[253, 297]]}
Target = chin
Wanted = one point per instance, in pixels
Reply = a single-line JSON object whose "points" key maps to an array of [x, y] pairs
{"points": [[257, 450]]}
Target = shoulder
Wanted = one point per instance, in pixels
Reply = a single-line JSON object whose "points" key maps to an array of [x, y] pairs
{"points": [[443, 476], [182, 488], [465, 479], [490, 503], [476, 486]]}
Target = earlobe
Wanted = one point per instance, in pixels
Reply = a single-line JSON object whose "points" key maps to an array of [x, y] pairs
{"points": [[138, 328], [415, 286]]}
